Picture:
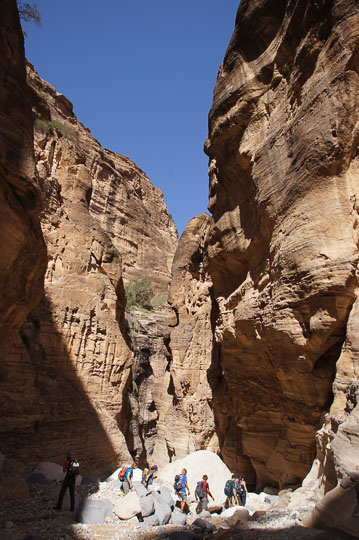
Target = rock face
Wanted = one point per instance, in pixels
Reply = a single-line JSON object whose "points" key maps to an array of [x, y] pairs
{"points": [[279, 259], [72, 360], [23, 252], [151, 392], [187, 423]]}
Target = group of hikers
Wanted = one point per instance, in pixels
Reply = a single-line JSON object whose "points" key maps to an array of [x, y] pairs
{"points": [[125, 475], [235, 489]]}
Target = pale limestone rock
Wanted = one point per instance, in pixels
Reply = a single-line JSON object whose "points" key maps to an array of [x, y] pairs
{"points": [[128, 506], [197, 464], [333, 510], [235, 515]]}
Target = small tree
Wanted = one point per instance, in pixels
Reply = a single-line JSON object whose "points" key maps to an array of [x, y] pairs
{"points": [[139, 293], [29, 12]]}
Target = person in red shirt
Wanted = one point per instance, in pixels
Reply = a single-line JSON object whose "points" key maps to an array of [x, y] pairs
{"points": [[69, 482], [203, 500]]}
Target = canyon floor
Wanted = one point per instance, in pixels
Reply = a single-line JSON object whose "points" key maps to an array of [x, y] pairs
{"points": [[34, 519]]}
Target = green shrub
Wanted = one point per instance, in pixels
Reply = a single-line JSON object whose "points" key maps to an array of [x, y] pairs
{"points": [[139, 294], [159, 301], [48, 127]]}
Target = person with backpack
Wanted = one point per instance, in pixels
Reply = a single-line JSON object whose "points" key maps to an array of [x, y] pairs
{"points": [[125, 476], [182, 489], [241, 490], [72, 468], [150, 476], [144, 475], [230, 492], [201, 494]]}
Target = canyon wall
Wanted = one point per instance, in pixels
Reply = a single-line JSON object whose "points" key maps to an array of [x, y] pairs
{"points": [[23, 252], [280, 254], [104, 223]]}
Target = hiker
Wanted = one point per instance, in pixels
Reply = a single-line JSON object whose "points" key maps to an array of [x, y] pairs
{"points": [[150, 476], [144, 475], [201, 494], [241, 490], [230, 492], [71, 468], [182, 491], [125, 475]]}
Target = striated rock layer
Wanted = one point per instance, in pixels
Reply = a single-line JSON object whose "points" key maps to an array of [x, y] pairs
{"points": [[283, 248], [279, 258], [187, 423], [103, 222], [23, 252]]}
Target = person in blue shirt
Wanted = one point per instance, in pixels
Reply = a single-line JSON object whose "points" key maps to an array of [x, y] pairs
{"points": [[127, 483], [184, 487]]}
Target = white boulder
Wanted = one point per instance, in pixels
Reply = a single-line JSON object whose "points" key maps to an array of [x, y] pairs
{"points": [[235, 514], [197, 464], [128, 506]]}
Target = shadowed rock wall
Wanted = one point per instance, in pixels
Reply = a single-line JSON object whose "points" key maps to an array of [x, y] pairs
{"points": [[23, 252]]}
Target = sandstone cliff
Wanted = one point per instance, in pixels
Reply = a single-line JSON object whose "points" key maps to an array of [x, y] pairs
{"points": [[280, 256], [23, 252], [103, 223]]}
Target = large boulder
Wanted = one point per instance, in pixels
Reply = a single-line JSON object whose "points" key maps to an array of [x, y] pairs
{"points": [[147, 505], [202, 524], [51, 471], [162, 508], [166, 494], [93, 512], [128, 507], [178, 518], [141, 490], [197, 464], [235, 515], [152, 520]]}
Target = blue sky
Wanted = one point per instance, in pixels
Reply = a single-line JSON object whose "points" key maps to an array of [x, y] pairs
{"points": [[140, 74]]}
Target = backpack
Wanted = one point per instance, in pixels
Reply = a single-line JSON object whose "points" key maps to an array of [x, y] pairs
{"points": [[201, 492], [74, 468], [239, 489], [228, 489], [177, 483], [121, 474]]}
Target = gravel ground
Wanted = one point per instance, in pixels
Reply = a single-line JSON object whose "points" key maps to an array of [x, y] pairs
{"points": [[34, 517]]}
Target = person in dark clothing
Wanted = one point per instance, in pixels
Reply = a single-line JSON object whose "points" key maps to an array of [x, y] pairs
{"points": [[69, 482]]}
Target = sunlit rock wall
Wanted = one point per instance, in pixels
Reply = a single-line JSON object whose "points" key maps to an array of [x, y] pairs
{"points": [[283, 248], [278, 259], [187, 423]]}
